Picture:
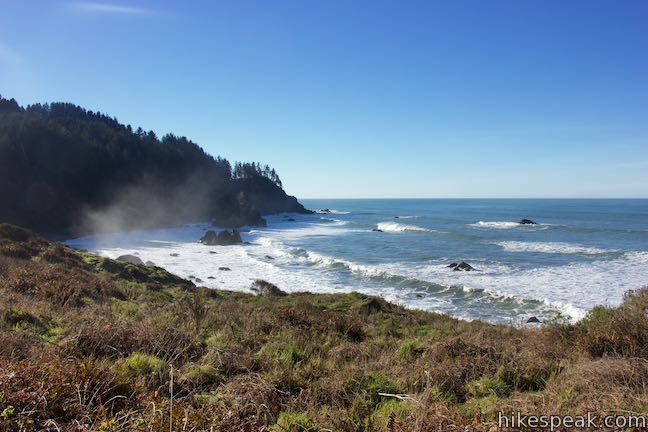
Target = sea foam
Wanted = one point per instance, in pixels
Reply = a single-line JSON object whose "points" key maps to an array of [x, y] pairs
{"points": [[552, 247], [395, 227]]}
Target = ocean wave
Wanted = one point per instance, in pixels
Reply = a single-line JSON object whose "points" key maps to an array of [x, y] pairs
{"points": [[395, 227], [638, 256], [333, 211], [552, 247], [507, 225], [334, 221]]}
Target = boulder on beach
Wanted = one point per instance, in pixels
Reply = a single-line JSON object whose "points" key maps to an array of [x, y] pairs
{"points": [[131, 259], [526, 222], [462, 266], [223, 238]]}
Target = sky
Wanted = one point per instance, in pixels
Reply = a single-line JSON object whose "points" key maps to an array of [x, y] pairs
{"points": [[361, 98]]}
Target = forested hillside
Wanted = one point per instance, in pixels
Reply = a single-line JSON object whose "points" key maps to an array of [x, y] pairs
{"points": [[64, 168]]}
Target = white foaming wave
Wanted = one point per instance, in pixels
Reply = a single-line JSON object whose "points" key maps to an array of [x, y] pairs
{"points": [[398, 228], [507, 225], [573, 288], [334, 221], [551, 247], [639, 256]]}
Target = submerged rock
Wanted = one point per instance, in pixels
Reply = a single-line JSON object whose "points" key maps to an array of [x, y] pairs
{"points": [[224, 269], [377, 230], [290, 220], [269, 257], [223, 238], [174, 254], [131, 259], [526, 222]]}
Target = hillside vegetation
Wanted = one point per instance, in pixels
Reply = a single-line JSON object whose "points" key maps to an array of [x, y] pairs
{"points": [[88, 343], [65, 168]]}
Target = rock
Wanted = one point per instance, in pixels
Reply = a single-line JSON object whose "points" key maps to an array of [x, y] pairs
{"points": [[526, 222], [223, 238], [212, 252], [269, 257], [265, 288], [462, 266], [174, 254], [396, 217], [533, 320], [224, 269], [198, 280], [452, 265], [211, 277], [150, 264], [131, 259], [325, 211], [375, 305], [377, 230], [191, 277]]}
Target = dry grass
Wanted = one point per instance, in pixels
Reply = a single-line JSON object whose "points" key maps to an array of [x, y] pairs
{"points": [[87, 344]]}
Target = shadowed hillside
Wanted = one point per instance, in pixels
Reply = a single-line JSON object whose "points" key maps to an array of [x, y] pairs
{"points": [[89, 343], [65, 168]]}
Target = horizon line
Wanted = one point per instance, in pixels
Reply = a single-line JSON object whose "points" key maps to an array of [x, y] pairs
{"points": [[484, 198]]}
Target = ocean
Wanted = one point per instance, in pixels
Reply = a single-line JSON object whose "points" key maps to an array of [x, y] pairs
{"points": [[581, 253]]}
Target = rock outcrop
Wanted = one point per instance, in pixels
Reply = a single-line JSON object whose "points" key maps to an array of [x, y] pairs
{"points": [[223, 238], [265, 288], [131, 259], [526, 222], [461, 266]]}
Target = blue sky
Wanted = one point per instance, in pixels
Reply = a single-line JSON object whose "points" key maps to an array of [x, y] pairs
{"points": [[362, 98]]}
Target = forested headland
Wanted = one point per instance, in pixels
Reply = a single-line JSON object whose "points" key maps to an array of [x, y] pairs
{"points": [[65, 169]]}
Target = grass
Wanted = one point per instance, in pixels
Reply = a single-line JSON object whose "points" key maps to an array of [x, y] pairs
{"points": [[87, 344]]}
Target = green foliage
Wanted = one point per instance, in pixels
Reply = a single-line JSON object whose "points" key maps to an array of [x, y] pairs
{"points": [[144, 365], [409, 350], [294, 422], [487, 386]]}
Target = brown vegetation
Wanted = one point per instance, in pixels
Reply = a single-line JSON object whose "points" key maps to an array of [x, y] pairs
{"points": [[87, 343]]}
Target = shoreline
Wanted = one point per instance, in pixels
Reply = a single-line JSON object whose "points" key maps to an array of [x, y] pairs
{"points": [[283, 361]]}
